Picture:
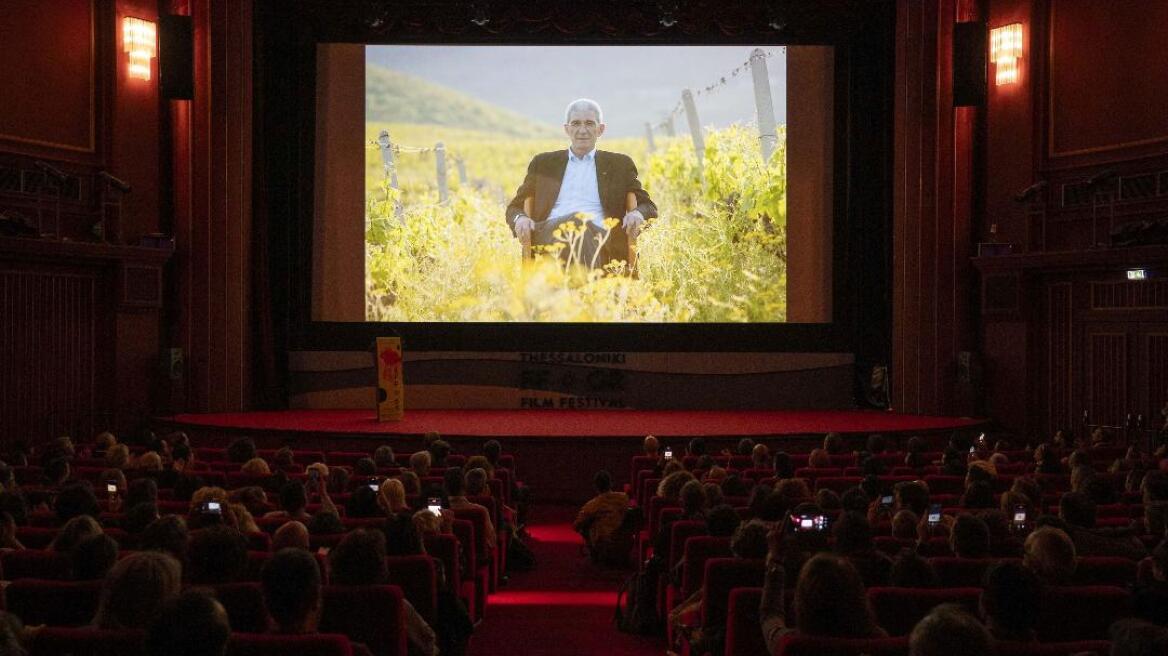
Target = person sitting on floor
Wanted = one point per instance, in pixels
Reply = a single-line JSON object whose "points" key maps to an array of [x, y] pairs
{"points": [[599, 522]]}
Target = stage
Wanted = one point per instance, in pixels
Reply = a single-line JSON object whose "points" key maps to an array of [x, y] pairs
{"points": [[578, 442]]}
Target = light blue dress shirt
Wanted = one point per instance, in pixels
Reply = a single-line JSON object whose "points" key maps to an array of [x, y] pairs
{"points": [[580, 191]]}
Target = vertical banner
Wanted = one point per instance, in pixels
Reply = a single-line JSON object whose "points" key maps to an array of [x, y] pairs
{"points": [[391, 391]]}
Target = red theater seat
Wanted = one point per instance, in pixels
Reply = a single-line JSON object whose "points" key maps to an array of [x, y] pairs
{"points": [[743, 624], [954, 572], [55, 603], [1105, 570], [54, 641], [1094, 647], [373, 615], [723, 575], [1081, 612], [258, 644], [899, 609], [35, 564], [417, 578], [794, 644]]}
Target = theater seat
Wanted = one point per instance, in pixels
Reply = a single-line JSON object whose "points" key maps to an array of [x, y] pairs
{"points": [[258, 644], [954, 572], [56, 603], [1096, 647], [1081, 612], [54, 641], [899, 609], [373, 615], [743, 624], [244, 603], [794, 644], [417, 578], [1105, 570], [723, 575], [35, 564]]}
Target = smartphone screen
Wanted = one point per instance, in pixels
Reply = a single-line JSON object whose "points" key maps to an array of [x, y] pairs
{"points": [[313, 474], [886, 500], [1019, 514], [808, 523], [213, 508], [935, 513], [435, 505], [112, 488], [973, 449], [668, 454], [375, 487]]}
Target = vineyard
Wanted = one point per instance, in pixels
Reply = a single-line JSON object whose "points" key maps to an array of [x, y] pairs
{"points": [[717, 253]]}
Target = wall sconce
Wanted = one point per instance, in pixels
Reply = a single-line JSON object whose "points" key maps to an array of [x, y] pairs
{"points": [[140, 40], [1005, 52]]}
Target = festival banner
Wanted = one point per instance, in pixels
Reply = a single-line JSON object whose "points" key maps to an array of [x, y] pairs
{"points": [[390, 384]]}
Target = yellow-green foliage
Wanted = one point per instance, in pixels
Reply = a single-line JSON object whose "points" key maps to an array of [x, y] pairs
{"points": [[717, 253]]}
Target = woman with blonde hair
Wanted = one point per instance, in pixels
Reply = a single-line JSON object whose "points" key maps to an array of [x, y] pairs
{"points": [[118, 456], [391, 497], [256, 467], [74, 532], [150, 461], [136, 588]]}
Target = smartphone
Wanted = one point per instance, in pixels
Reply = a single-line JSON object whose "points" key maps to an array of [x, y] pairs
{"points": [[1019, 515], [375, 487], [112, 488], [981, 439], [434, 505], [808, 523], [934, 514], [212, 508], [668, 453], [886, 501], [973, 449]]}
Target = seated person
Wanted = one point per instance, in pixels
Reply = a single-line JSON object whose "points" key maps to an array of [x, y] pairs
{"points": [[1050, 554], [1010, 602], [93, 557], [600, 520], [135, 589], [217, 554], [949, 631], [192, 624]]}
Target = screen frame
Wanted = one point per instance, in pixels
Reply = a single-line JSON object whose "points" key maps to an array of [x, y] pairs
{"points": [[861, 314]]}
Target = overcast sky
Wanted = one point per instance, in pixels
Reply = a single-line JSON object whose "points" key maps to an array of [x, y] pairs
{"points": [[633, 84]]}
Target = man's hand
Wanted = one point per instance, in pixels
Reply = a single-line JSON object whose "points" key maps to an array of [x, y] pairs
{"points": [[633, 222], [523, 227]]}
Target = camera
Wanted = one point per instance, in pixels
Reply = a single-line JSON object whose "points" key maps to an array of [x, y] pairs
{"points": [[212, 508], [934, 514], [808, 523], [668, 453]]}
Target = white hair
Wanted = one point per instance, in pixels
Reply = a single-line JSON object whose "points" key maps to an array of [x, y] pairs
{"points": [[582, 105]]}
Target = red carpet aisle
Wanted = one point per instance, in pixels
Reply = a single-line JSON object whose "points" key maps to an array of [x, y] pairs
{"points": [[562, 607]]}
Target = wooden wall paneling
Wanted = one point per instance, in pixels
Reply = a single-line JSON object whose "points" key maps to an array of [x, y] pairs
{"points": [[1152, 388], [1059, 357], [1107, 373]]}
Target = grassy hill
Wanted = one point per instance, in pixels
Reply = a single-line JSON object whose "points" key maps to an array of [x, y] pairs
{"points": [[399, 98]]}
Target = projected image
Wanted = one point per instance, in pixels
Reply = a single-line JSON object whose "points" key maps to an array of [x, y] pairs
{"points": [[575, 184]]}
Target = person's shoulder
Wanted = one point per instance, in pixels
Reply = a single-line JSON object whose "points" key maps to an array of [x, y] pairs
{"points": [[614, 156], [551, 155]]}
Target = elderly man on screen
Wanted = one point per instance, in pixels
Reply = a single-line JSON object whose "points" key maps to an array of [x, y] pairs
{"points": [[585, 185]]}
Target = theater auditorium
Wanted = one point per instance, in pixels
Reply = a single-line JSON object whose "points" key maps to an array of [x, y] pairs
{"points": [[418, 327]]}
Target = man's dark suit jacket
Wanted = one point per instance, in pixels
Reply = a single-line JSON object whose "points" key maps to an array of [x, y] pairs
{"points": [[616, 176]]}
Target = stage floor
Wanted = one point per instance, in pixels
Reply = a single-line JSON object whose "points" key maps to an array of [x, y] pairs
{"points": [[578, 423]]}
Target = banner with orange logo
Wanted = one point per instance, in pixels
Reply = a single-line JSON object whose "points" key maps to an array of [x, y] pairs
{"points": [[391, 389]]}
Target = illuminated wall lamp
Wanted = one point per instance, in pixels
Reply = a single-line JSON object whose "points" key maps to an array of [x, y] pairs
{"points": [[140, 40], [1005, 52]]}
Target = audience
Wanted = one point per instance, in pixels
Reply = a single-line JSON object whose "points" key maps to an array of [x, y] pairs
{"points": [[135, 589], [949, 631], [192, 624], [1011, 601], [1050, 554]]}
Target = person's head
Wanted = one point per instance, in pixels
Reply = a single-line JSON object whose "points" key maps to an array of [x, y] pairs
{"points": [[904, 525], [794, 491], [135, 589], [192, 624], [391, 496], [359, 559], [1077, 509], [74, 532], [181, 455], [138, 517], [410, 481], [1011, 600], [241, 450], [722, 521], [402, 537], [365, 467], [493, 449], [476, 482], [166, 534], [1135, 637], [430, 438], [828, 499], [693, 498], [439, 451], [584, 124], [57, 471], [750, 540], [650, 446], [602, 481], [293, 497], [1029, 487], [833, 444], [979, 471], [773, 507], [420, 463], [117, 456], [969, 537], [75, 500], [142, 490], [819, 459], [383, 456], [479, 462], [291, 585], [781, 462], [830, 599], [978, 495], [284, 459], [855, 500], [1050, 554], [256, 467], [911, 495], [93, 557], [949, 631], [290, 535], [876, 444], [104, 441], [910, 570], [852, 534], [453, 482], [150, 461], [363, 502], [217, 554], [670, 486]]}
